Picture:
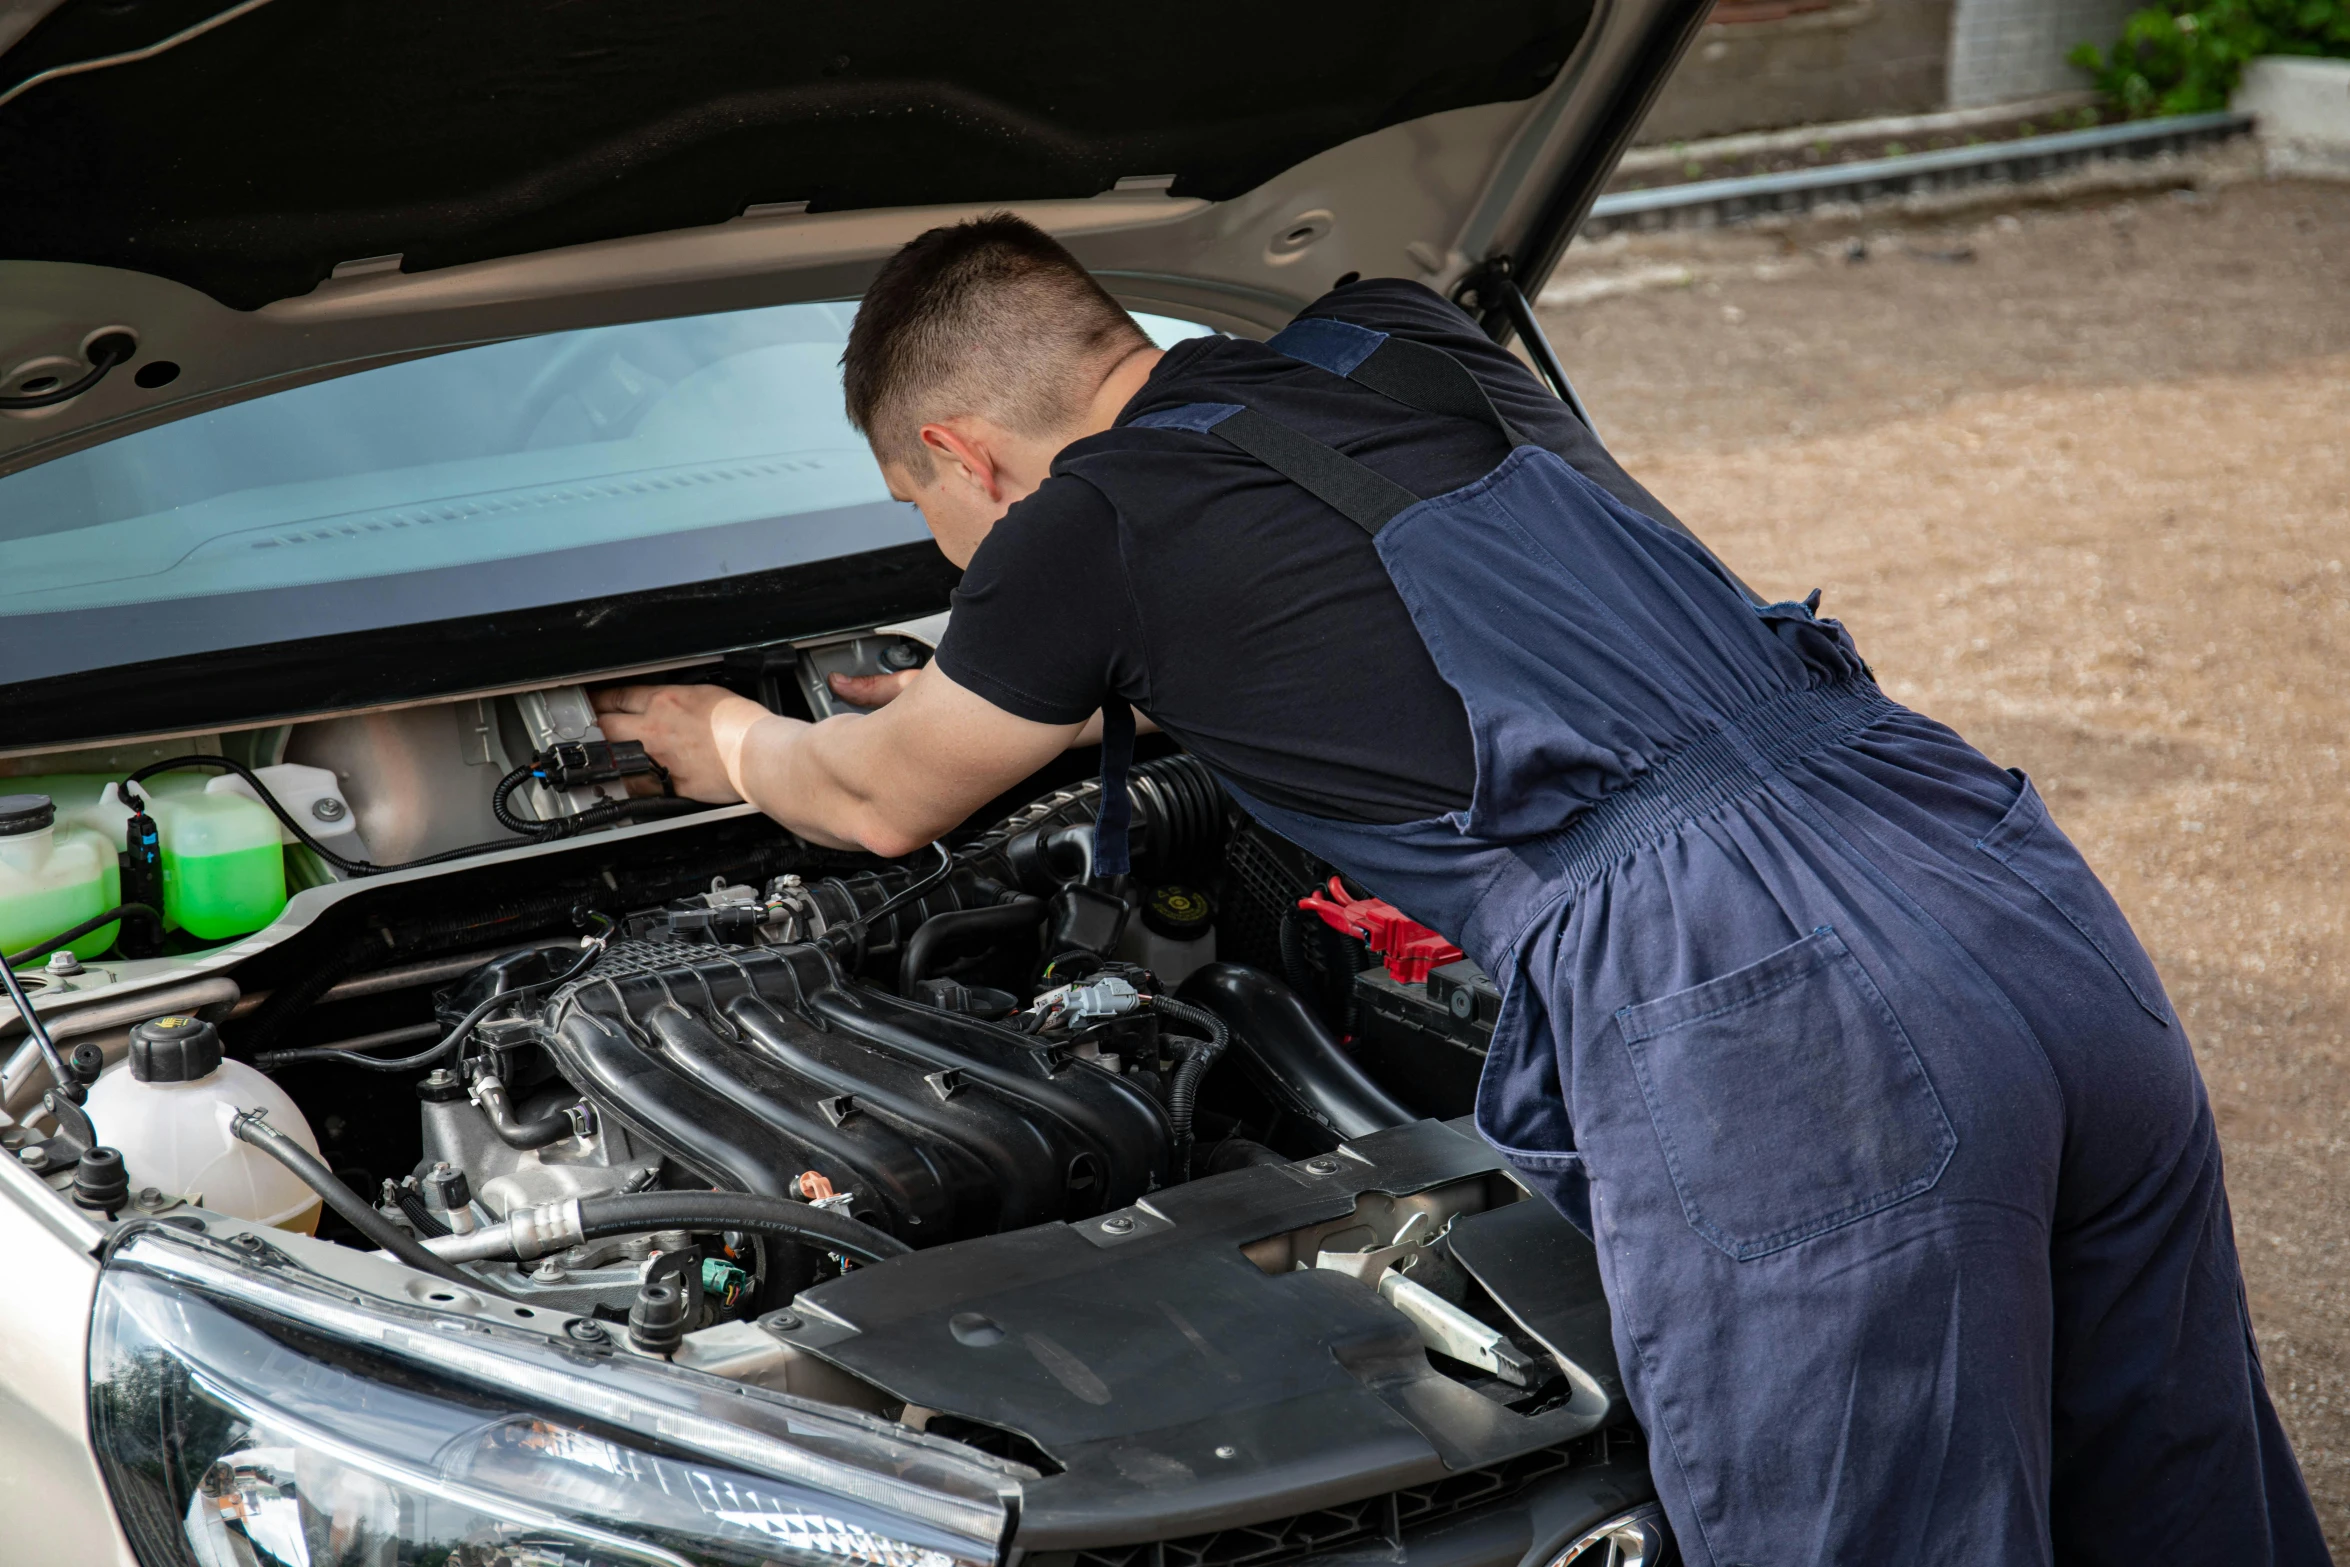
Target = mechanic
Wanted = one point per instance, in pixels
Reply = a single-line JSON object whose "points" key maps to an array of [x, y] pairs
{"points": [[1906, 1190]]}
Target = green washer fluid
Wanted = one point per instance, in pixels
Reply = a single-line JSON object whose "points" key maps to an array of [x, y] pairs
{"points": [[224, 870], [53, 876]]}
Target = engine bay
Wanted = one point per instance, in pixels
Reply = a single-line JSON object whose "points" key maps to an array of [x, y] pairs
{"points": [[1123, 1181]]}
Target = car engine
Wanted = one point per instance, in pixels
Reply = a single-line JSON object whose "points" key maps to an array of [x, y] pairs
{"points": [[1178, 1143], [984, 1041]]}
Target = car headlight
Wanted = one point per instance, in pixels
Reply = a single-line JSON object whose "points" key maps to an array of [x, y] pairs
{"points": [[1633, 1539], [237, 1437]]}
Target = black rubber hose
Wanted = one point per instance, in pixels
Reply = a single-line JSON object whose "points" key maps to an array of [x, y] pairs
{"points": [[960, 929], [253, 1127], [502, 809], [908, 893], [1178, 807], [65, 938], [512, 1130], [300, 832], [1183, 1086], [109, 350], [270, 1061], [1291, 1054], [596, 815], [778, 1218]]}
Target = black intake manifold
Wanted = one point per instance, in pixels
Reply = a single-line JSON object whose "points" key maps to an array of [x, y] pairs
{"points": [[751, 1066]]}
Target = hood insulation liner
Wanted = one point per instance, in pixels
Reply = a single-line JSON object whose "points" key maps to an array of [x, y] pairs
{"points": [[250, 161]]}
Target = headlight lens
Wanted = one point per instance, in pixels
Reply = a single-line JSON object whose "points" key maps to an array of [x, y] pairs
{"points": [[237, 1441], [1634, 1539]]}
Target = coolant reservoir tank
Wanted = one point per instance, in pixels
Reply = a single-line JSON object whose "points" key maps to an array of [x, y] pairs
{"points": [[223, 871], [169, 1107], [52, 877]]}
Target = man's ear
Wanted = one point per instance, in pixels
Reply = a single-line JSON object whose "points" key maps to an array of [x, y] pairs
{"points": [[966, 456]]}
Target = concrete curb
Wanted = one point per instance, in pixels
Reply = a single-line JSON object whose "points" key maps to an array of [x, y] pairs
{"points": [[1711, 203], [1839, 133], [2303, 109]]}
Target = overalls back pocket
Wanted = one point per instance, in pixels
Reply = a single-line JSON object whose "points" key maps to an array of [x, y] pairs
{"points": [[1787, 1097]]}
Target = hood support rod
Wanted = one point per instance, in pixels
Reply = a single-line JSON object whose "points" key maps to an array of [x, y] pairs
{"points": [[1493, 288]]}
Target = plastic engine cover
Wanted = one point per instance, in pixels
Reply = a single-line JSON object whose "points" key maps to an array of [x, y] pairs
{"points": [[750, 1066]]}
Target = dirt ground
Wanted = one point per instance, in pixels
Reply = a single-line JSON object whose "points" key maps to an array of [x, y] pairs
{"points": [[2080, 483]]}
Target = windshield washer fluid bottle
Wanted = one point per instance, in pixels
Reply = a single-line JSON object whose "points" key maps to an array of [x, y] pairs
{"points": [[52, 877], [223, 871], [170, 1106]]}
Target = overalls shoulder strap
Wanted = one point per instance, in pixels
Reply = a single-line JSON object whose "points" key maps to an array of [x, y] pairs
{"points": [[1414, 374], [1419, 375]]}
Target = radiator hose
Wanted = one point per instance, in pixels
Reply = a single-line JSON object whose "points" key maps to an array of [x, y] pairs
{"points": [[253, 1127], [776, 1218]]}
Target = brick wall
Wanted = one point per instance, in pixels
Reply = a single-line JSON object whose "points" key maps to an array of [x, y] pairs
{"points": [[2002, 50]]}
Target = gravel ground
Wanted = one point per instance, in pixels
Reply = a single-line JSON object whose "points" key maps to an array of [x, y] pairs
{"points": [[2080, 483]]}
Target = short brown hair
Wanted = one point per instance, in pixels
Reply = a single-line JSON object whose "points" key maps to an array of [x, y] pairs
{"points": [[991, 317]]}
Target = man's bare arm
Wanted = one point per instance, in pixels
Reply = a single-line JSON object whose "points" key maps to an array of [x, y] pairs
{"points": [[878, 690], [888, 782]]}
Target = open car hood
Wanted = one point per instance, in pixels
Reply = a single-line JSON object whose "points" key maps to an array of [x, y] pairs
{"points": [[308, 188], [269, 193]]}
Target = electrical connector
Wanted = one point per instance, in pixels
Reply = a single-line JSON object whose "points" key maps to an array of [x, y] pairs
{"points": [[722, 1281], [576, 763]]}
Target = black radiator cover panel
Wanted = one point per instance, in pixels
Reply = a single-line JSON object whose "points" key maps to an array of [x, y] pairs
{"points": [[1179, 1386], [749, 1066]]}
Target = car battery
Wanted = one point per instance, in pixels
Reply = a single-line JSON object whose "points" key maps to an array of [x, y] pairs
{"points": [[1426, 1043]]}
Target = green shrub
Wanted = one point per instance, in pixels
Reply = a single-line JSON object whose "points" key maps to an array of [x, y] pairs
{"points": [[2186, 56]]}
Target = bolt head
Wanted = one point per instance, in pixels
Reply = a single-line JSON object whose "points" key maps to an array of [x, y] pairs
{"points": [[329, 809], [34, 1158], [586, 1330], [1322, 1166], [782, 1321], [1227, 1452], [64, 964], [1118, 1225], [549, 1271]]}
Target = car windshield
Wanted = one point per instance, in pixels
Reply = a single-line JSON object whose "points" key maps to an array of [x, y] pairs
{"points": [[542, 471]]}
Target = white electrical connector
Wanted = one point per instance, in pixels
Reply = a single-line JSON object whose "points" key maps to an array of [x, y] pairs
{"points": [[1086, 1001]]}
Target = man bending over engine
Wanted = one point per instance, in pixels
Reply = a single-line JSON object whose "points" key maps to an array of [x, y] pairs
{"points": [[1905, 1188]]}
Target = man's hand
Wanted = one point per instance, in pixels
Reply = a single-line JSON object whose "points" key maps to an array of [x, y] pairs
{"points": [[889, 781], [691, 730]]}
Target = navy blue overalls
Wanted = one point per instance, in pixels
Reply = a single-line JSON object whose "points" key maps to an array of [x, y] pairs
{"points": [[1906, 1191]]}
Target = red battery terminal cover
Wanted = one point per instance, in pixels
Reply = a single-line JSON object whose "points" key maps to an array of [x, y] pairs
{"points": [[1410, 948]]}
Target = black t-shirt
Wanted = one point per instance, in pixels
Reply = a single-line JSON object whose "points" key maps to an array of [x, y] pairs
{"points": [[1254, 623]]}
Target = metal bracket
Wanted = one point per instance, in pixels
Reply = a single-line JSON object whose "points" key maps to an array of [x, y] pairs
{"points": [[1443, 1326]]}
